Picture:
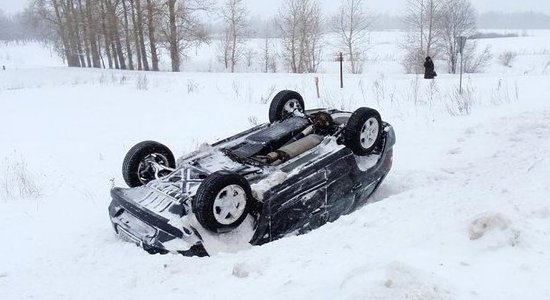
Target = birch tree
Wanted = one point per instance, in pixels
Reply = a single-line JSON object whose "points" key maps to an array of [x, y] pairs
{"points": [[141, 33], [300, 23], [421, 20], [91, 25], [351, 24], [125, 32], [152, 30], [268, 51], [458, 18], [181, 27], [234, 15], [127, 36]]}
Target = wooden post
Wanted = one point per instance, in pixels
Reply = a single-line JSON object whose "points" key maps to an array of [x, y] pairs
{"points": [[341, 59], [461, 44], [461, 71], [317, 87]]}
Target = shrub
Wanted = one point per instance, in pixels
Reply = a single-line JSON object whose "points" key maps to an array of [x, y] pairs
{"points": [[461, 104], [475, 62], [506, 58], [142, 83], [18, 181]]}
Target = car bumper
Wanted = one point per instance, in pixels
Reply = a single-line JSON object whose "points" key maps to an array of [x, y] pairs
{"points": [[150, 232]]}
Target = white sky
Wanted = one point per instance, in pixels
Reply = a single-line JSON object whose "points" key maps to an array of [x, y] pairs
{"points": [[395, 7], [270, 7]]}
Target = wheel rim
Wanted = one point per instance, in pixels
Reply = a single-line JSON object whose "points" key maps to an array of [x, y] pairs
{"points": [[229, 204], [369, 133], [146, 170], [291, 106]]}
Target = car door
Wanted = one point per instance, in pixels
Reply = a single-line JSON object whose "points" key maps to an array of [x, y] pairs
{"points": [[341, 184], [299, 205]]}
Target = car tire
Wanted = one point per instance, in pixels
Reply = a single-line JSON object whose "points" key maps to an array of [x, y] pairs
{"points": [[363, 131], [283, 103], [222, 202], [134, 167]]}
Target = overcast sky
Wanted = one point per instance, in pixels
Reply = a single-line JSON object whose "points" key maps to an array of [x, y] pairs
{"points": [[270, 7], [395, 7]]}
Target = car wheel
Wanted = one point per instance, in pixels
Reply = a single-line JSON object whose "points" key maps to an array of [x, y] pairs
{"points": [[223, 201], [363, 131], [144, 162], [284, 104]]}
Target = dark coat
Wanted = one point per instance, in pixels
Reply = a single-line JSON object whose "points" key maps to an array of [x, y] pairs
{"points": [[429, 67]]}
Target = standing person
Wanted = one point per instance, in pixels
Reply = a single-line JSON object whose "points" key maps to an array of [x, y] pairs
{"points": [[429, 67]]}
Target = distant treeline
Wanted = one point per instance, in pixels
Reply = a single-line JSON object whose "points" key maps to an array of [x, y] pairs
{"points": [[21, 27], [132, 34], [489, 20], [121, 34], [16, 28], [520, 20]]}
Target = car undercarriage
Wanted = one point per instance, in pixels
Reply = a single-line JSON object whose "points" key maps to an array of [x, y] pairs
{"points": [[292, 175]]}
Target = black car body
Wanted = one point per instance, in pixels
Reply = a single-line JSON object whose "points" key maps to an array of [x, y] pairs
{"points": [[293, 197]]}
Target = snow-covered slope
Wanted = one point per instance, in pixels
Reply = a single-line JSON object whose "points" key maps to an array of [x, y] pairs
{"points": [[463, 215], [25, 55]]}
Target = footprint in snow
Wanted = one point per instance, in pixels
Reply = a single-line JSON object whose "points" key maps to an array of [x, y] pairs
{"points": [[455, 151], [469, 131]]}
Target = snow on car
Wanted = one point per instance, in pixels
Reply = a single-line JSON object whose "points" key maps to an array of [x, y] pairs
{"points": [[303, 169]]}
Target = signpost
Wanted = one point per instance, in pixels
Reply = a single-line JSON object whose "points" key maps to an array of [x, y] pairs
{"points": [[461, 40]]}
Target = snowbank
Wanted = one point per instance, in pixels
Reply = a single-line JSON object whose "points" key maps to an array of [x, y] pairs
{"points": [[463, 214]]}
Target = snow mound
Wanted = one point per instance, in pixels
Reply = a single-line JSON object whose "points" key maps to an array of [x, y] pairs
{"points": [[397, 281], [495, 229], [482, 176], [489, 221]]}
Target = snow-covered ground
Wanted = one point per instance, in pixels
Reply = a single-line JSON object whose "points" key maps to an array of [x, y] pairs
{"points": [[464, 214]]}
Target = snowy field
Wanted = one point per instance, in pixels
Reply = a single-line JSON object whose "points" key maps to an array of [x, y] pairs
{"points": [[464, 214]]}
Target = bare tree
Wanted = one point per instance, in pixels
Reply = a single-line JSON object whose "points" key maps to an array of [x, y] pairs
{"points": [[300, 22], [268, 58], [141, 34], [8, 28], [351, 24], [111, 59], [266, 53], [433, 30], [507, 57], [127, 36], [152, 10], [85, 31], [458, 18], [476, 61], [421, 19], [289, 21], [234, 14], [224, 49], [65, 31], [173, 39], [135, 34], [249, 55], [92, 33], [432, 14], [181, 27], [114, 25]]}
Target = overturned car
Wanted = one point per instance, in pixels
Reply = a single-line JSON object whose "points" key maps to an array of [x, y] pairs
{"points": [[303, 169]]}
